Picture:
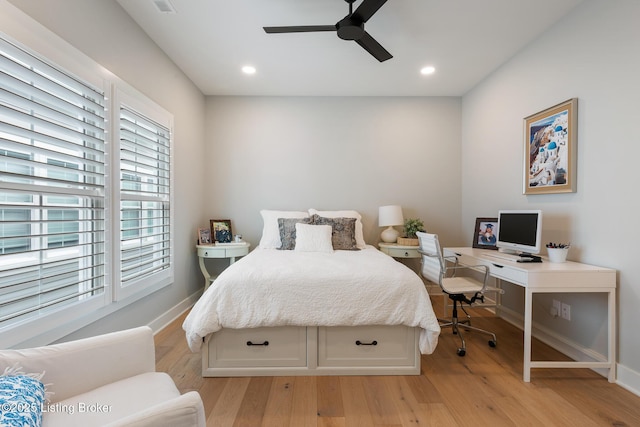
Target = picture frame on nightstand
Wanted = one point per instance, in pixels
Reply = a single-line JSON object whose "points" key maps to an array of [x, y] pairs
{"points": [[485, 233], [204, 236], [221, 230]]}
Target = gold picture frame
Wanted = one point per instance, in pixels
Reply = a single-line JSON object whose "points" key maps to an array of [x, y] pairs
{"points": [[550, 146], [221, 230]]}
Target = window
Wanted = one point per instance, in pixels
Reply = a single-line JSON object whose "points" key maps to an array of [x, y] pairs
{"points": [[77, 231], [145, 183]]}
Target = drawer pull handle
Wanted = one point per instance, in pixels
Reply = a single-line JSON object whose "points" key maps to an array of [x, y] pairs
{"points": [[266, 343], [366, 343], [406, 254], [498, 265]]}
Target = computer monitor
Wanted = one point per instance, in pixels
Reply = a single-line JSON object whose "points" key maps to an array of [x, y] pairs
{"points": [[519, 231]]}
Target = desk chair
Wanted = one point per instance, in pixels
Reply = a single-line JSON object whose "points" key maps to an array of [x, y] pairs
{"points": [[459, 289]]}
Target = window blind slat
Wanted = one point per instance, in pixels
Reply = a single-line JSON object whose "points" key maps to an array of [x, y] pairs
{"points": [[37, 71], [54, 143], [47, 129], [19, 102], [91, 166], [142, 138], [145, 157], [25, 90]]}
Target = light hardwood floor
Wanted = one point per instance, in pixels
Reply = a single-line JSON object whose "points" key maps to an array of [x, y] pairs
{"points": [[484, 388]]}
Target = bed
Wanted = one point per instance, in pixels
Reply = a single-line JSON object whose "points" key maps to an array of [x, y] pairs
{"points": [[315, 308]]}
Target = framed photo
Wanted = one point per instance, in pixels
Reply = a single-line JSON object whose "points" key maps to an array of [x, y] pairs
{"points": [[550, 139], [221, 230], [484, 235], [204, 236]]}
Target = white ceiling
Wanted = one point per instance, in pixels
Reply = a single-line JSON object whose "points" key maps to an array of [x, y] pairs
{"points": [[465, 40]]}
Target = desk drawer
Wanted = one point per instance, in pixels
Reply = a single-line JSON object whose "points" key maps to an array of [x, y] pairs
{"points": [[497, 269], [508, 273]]}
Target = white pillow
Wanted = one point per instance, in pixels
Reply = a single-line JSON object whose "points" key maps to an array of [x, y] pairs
{"points": [[270, 232], [359, 235], [313, 238]]}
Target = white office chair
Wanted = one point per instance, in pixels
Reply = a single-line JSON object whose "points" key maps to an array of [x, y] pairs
{"points": [[460, 289]]}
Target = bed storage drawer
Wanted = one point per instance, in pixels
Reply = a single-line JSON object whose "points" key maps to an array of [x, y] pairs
{"points": [[367, 346], [259, 347]]}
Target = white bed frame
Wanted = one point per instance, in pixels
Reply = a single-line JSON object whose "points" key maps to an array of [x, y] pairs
{"points": [[299, 351]]}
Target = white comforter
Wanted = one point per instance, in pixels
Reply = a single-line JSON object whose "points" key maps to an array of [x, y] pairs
{"points": [[270, 287]]}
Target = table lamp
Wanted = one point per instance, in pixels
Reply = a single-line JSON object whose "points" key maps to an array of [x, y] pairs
{"points": [[388, 216]]}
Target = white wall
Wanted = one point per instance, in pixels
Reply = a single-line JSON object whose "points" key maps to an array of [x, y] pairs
{"points": [[103, 31], [334, 153], [592, 55]]}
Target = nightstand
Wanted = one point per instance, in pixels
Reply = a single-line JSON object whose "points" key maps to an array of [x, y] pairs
{"points": [[399, 251], [408, 252], [230, 251]]}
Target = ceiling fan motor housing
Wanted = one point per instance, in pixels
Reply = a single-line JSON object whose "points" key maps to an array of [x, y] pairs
{"points": [[350, 29]]}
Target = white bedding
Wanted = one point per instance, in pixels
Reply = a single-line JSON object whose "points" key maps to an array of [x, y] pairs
{"points": [[270, 287]]}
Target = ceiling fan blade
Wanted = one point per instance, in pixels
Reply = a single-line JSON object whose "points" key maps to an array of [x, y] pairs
{"points": [[299, 29], [373, 47], [367, 8]]}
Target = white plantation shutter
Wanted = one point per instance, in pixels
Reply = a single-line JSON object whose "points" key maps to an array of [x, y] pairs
{"points": [[52, 188], [145, 209]]}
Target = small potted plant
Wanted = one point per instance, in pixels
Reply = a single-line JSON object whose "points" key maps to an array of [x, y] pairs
{"points": [[411, 227]]}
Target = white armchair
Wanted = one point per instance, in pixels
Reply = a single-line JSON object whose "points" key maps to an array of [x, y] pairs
{"points": [[107, 380]]}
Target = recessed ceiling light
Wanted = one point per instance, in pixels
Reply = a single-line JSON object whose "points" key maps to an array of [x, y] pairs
{"points": [[248, 69], [427, 70]]}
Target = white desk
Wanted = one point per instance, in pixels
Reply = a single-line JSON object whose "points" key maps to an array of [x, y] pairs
{"points": [[547, 277], [230, 252]]}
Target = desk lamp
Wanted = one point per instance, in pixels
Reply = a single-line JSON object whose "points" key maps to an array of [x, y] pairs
{"points": [[388, 216]]}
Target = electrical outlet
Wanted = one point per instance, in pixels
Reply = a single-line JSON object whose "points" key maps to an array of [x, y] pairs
{"points": [[566, 311], [556, 308]]}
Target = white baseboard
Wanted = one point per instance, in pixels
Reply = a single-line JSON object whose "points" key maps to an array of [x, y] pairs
{"points": [[625, 378], [162, 321], [628, 379]]}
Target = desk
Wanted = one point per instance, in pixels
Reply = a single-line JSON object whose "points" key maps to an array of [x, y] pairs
{"points": [[547, 277], [230, 251]]}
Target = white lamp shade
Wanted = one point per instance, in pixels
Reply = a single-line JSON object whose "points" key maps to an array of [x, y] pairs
{"points": [[390, 215]]}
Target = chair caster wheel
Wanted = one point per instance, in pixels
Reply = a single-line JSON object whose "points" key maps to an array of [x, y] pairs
{"points": [[461, 352], [492, 343]]}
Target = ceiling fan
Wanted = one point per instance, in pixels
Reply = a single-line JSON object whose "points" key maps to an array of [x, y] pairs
{"points": [[351, 27]]}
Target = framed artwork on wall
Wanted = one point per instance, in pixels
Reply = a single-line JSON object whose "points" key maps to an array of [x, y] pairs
{"points": [[484, 235], [550, 139], [221, 230]]}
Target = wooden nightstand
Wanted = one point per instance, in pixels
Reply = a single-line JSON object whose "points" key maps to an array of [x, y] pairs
{"points": [[399, 251], [230, 251]]}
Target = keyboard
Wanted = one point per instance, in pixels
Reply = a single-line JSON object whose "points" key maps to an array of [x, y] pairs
{"points": [[503, 257]]}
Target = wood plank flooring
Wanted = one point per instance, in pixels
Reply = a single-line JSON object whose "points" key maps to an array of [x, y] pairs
{"points": [[484, 388]]}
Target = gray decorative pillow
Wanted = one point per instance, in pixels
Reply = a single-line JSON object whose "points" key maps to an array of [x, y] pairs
{"points": [[287, 227], [343, 232]]}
